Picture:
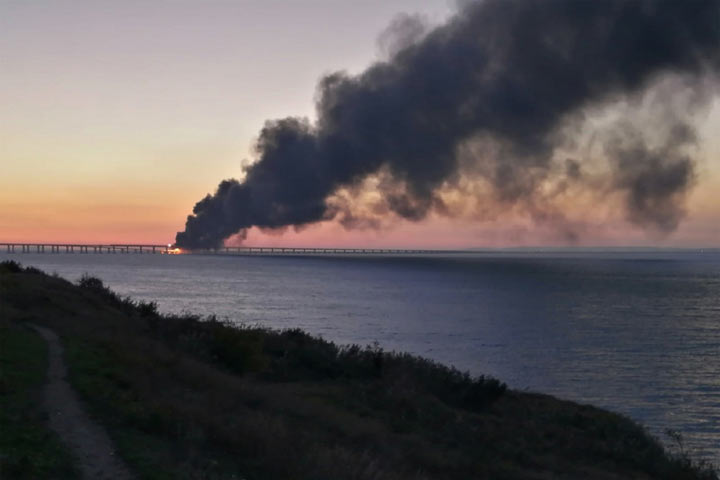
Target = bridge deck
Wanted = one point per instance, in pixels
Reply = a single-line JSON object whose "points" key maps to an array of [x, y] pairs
{"points": [[81, 248], [164, 249]]}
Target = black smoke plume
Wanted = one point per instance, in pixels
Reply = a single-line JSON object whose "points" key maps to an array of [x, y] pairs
{"points": [[511, 73]]}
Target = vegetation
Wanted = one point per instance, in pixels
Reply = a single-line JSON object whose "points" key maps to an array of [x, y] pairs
{"points": [[28, 449], [185, 397]]}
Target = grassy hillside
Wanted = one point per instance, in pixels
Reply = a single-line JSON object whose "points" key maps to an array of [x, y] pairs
{"points": [[28, 449], [194, 398]]}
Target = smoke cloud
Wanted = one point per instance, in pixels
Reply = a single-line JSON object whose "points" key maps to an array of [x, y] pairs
{"points": [[496, 95]]}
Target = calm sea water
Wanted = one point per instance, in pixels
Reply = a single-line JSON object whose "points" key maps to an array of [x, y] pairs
{"points": [[635, 332]]}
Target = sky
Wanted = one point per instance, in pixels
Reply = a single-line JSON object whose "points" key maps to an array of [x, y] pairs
{"points": [[118, 116]]}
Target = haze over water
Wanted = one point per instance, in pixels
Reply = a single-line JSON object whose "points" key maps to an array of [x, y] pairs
{"points": [[636, 332]]}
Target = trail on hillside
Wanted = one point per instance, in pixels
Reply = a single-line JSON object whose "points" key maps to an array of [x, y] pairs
{"points": [[89, 442]]}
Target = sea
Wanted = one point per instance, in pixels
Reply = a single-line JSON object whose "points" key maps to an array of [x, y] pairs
{"points": [[634, 331]]}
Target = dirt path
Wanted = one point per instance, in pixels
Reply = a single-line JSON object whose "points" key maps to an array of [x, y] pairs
{"points": [[88, 441]]}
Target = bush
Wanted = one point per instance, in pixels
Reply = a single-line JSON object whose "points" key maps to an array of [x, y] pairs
{"points": [[147, 309], [239, 350], [293, 355], [10, 266], [91, 283]]}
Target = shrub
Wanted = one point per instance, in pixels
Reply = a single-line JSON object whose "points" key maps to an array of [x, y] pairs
{"points": [[147, 309], [10, 266], [238, 349], [34, 271], [92, 283]]}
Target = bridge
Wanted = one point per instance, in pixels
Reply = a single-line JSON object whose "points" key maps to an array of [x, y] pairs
{"points": [[81, 248], [167, 249]]}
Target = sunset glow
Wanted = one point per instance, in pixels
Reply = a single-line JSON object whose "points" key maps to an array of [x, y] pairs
{"points": [[113, 138]]}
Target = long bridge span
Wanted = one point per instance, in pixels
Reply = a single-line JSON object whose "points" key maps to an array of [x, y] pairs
{"points": [[168, 249]]}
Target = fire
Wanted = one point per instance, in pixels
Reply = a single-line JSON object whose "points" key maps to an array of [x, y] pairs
{"points": [[170, 250]]}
